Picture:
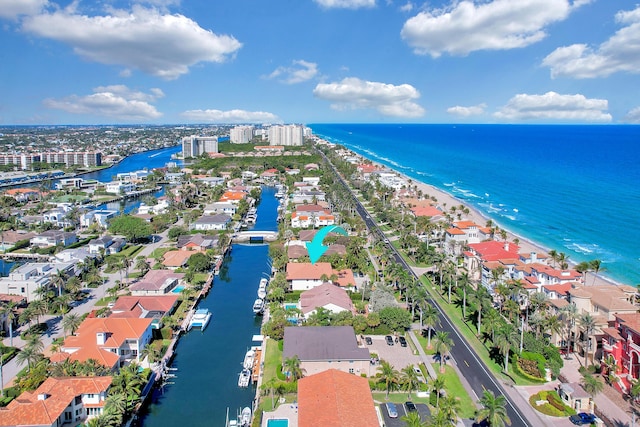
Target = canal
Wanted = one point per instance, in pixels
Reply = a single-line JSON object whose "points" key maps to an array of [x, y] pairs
{"points": [[208, 363]]}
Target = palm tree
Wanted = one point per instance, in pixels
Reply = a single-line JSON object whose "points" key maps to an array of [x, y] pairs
{"points": [[443, 344], [430, 318], [292, 366], [70, 323], [592, 385], [413, 419], [30, 355], [438, 386], [58, 279], [465, 280], [389, 375], [409, 379], [569, 315], [450, 406], [481, 299], [588, 325], [507, 338], [596, 266], [494, 410], [440, 419], [8, 310]]}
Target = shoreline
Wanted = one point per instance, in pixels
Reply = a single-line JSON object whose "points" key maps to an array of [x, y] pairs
{"points": [[443, 197]]}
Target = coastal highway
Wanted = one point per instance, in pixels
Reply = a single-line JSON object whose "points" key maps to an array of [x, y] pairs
{"points": [[469, 364]]}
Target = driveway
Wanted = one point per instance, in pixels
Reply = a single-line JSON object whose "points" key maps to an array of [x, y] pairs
{"points": [[399, 357]]}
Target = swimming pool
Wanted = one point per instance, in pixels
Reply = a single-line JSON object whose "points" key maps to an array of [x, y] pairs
{"points": [[281, 422], [288, 306], [177, 289]]}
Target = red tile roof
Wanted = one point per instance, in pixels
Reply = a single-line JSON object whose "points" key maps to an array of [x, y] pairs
{"points": [[335, 399], [308, 271], [27, 409]]}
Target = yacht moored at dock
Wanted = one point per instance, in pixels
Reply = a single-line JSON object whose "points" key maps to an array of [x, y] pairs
{"points": [[249, 358], [245, 378], [258, 306], [200, 319], [262, 289]]}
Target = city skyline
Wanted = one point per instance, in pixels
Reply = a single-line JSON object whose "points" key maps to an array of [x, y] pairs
{"points": [[314, 61]]}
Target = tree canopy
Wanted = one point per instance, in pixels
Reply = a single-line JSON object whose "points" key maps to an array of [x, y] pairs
{"points": [[131, 227]]}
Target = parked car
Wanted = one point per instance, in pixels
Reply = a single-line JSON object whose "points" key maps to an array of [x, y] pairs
{"points": [[368, 340], [403, 342], [392, 410], [582, 418], [389, 339], [411, 407]]}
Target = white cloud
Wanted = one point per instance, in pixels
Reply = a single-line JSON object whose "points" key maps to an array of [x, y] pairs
{"points": [[158, 44], [554, 106], [618, 54], [13, 8], [116, 101], [346, 4], [473, 110], [408, 7], [633, 116], [387, 99], [231, 116], [301, 71], [465, 26]]}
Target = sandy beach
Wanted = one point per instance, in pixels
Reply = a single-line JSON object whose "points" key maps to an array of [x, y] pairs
{"points": [[446, 200]]}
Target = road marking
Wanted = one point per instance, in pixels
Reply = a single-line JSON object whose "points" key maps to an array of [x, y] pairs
{"points": [[465, 362]]}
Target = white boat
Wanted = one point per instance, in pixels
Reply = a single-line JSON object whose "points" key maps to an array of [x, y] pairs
{"points": [[249, 357], [258, 306], [245, 378], [200, 319], [262, 289], [245, 416]]}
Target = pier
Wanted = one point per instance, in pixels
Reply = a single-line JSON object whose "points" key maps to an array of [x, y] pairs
{"points": [[254, 236]]}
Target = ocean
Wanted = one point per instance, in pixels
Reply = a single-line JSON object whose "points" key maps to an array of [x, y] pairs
{"points": [[572, 188]]}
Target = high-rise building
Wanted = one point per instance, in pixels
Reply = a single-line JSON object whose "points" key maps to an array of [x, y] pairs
{"points": [[194, 146], [286, 135], [241, 134]]}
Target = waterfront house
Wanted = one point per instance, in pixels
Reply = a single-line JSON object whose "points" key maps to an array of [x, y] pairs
{"points": [[9, 238], [305, 275], [462, 233], [98, 216], [220, 207], [197, 242], [28, 278], [22, 195], [157, 282], [123, 337], [145, 307], [51, 238], [334, 399], [119, 187], [58, 401], [328, 296], [320, 348], [211, 222]]}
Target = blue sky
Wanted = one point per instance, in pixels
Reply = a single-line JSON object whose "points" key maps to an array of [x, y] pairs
{"points": [[313, 61]]}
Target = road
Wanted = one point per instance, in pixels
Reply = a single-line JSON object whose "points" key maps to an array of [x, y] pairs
{"points": [[469, 364]]}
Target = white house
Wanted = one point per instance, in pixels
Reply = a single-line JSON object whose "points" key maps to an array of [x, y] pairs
{"points": [[305, 275], [211, 222], [119, 187], [100, 217]]}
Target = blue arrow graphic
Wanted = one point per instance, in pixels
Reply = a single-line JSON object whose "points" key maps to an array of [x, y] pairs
{"points": [[315, 247]]}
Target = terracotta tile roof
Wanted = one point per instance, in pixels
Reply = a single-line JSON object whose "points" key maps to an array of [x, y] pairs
{"points": [[233, 195], [465, 224], [429, 211], [630, 320], [177, 258], [612, 332], [323, 295], [27, 409], [296, 251], [104, 357], [345, 278], [455, 231], [162, 303], [308, 271], [561, 289], [118, 330], [155, 279], [335, 399], [495, 251]]}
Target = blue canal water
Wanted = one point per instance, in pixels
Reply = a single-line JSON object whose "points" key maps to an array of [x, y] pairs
{"points": [[569, 188], [208, 362]]}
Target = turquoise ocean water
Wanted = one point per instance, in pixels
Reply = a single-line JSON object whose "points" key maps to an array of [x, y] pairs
{"points": [[571, 188]]}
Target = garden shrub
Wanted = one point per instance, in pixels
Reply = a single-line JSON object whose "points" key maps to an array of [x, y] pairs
{"points": [[532, 364]]}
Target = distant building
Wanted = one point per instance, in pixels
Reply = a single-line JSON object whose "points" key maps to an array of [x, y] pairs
{"points": [[241, 134], [194, 146], [287, 135]]}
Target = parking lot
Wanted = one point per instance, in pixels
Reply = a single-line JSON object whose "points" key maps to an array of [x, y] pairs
{"points": [[398, 356], [422, 409]]}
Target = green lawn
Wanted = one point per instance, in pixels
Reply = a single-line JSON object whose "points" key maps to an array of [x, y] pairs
{"points": [[454, 387], [397, 397], [272, 361]]}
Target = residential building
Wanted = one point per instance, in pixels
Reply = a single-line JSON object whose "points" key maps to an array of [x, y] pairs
{"points": [[622, 343], [302, 276], [28, 278], [287, 135], [106, 245], [99, 216], [194, 146], [320, 348], [241, 134], [211, 222], [119, 187], [50, 238], [197, 242], [123, 337], [335, 399], [157, 282], [145, 307], [220, 207], [328, 296], [574, 396], [58, 401]]}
